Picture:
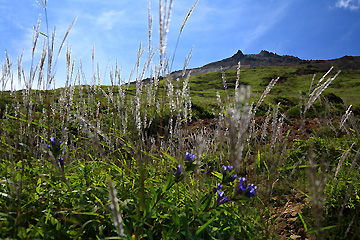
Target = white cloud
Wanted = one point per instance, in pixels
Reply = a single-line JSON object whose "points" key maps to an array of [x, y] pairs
{"points": [[348, 4], [109, 18]]}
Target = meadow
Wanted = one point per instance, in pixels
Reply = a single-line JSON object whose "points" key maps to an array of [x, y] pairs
{"points": [[257, 153]]}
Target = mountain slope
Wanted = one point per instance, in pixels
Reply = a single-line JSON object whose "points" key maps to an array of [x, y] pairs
{"points": [[265, 58]]}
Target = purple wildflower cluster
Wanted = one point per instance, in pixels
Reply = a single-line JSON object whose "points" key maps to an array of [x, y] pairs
{"points": [[220, 197], [56, 148], [228, 176], [242, 190], [178, 171], [247, 190], [189, 165], [189, 157]]}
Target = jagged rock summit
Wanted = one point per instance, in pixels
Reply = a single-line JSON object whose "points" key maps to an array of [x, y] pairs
{"points": [[266, 58]]}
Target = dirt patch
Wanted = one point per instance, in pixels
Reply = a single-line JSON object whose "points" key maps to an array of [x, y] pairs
{"points": [[288, 217]]}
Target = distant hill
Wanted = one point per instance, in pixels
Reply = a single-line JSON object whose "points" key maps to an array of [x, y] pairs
{"points": [[265, 58]]}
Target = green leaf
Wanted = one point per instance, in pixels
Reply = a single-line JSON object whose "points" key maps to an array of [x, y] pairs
{"points": [[217, 174], [169, 183], [206, 201], [171, 157], [293, 167], [203, 227], [88, 213], [84, 225], [303, 222], [38, 185], [267, 169]]}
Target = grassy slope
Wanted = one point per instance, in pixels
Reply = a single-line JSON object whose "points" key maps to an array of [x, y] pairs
{"points": [[267, 163], [292, 81]]}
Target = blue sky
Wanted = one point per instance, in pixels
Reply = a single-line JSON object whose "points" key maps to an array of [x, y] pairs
{"points": [[321, 29]]}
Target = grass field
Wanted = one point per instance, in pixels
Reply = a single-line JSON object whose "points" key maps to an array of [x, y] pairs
{"points": [[238, 155]]}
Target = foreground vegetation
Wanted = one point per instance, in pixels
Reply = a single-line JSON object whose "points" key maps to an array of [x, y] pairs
{"points": [[158, 160]]}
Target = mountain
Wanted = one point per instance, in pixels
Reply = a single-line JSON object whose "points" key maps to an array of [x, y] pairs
{"points": [[266, 58]]}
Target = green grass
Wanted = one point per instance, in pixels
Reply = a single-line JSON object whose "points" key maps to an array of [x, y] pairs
{"points": [[41, 200], [293, 80], [125, 175]]}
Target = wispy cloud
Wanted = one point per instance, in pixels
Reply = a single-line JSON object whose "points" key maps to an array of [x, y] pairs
{"points": [[109, 18], [348, 4], [269, 20]]}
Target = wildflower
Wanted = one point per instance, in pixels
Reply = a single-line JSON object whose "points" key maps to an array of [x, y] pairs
{"points": [[251, 191], [54, 146], [189, 161], [220, 197], [178, 171], [226, 174], [61, 162], [217, 187], [189, 157], [248, 191], [242, 185]]}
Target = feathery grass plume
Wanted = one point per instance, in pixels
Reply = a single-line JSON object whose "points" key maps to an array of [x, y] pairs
{"points": [[150, 21], [342, 159], [239, 116], [265, 125], [6, 71], [186, 18], [223, 77], [319, 89], [345, 117], [164, 21], [117, 219], [266, 92], [186, 63], [312, 82], [237, 79]]}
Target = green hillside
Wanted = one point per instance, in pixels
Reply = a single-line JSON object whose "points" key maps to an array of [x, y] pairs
{"points": [[292, 81], [87, 148]]}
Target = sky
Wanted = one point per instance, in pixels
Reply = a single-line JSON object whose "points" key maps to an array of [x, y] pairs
{"points": [[308, 29]]}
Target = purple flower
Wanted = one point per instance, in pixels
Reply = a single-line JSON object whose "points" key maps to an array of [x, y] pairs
{"points": [[251, 191], [224, 200], [61, 162], [215, 189], [190, 164], [242, 185], [55, 146], [53, 143], [189, 157], [247, 190], [178, 171], [226, 174], [221, 198]]}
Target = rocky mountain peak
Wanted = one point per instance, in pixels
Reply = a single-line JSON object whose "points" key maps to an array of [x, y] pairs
{"points": [[266, 58], [265, 53], [238, 55]]}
